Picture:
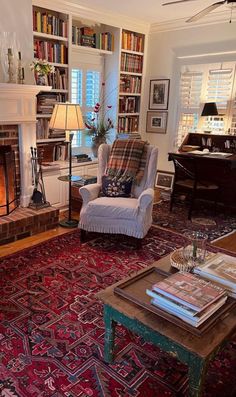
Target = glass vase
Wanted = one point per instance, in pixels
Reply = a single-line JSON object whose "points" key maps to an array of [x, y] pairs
{"points": [[194, 251]]}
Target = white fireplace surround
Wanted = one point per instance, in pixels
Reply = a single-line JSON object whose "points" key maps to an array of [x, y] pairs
{"points": [[18, 106]]}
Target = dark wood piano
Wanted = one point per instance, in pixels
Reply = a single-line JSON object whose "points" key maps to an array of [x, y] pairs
{"points": [[216, 160]]}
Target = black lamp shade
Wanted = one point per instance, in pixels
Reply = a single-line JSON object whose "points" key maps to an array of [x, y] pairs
{"points": [[209, 109]]}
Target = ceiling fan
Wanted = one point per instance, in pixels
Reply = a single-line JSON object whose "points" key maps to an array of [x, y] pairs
{"points": [[205, 11]]}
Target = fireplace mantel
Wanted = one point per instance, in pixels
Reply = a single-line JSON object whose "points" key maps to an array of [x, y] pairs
{"points": [[18, 107], [18, 102]]}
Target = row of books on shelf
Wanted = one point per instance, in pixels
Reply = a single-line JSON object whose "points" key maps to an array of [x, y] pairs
{"points": [[127, 124], [188, 297], [132, 41], [57, 80], [47, 101], [130, 84], [54, 151], [128, 104], [103, 41], [52, 52], [131, 63], [44, 22]]}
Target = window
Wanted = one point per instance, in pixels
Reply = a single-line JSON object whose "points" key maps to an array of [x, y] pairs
{"points": [[86, 79], [207, 83]]}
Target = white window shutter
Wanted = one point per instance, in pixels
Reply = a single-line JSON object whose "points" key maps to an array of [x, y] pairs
{"points": [[219, 87]]}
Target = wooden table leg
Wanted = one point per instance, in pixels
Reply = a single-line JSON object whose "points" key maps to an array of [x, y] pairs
{"points": [[109, 335], [197, 372]]}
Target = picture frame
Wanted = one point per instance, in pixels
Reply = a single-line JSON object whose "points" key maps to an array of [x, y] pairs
{"points": [[164, 180], [159, 94], [156, 122]]}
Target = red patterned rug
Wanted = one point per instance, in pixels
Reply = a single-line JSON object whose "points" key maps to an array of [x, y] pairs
{"points": [[203, 219], [52, 330]]}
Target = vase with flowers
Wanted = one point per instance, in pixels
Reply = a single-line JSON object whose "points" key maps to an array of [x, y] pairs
{"points": [[99, 126], [41, 70]]}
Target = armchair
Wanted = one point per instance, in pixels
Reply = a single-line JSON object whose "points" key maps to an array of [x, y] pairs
{"points": [[119, 215]]}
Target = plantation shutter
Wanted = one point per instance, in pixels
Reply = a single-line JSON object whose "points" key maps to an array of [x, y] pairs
{"points": [[233, 121], [219, 87], [190, 96]]}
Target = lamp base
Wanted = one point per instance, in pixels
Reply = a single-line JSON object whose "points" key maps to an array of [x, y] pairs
{"points": [[69, 223]]}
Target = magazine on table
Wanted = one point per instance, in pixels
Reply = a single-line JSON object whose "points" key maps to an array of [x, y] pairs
{"points": [[221, 268], [189, 290], [195, 320]]}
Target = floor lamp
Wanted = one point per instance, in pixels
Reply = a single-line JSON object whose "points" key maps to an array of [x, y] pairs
{"points": [[67, 117]]}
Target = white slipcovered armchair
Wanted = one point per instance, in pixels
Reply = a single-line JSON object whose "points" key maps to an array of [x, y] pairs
{"points": [[119, 215]]}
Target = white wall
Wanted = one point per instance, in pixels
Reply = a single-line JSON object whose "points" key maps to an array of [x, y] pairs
{"points": [[164, 50], [16, 16]]}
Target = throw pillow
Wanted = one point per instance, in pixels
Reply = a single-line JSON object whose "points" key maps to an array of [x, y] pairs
{"points": [[111, 187]]}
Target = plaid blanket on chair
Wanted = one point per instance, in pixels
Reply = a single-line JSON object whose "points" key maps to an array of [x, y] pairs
{"points": [[127, 160]]}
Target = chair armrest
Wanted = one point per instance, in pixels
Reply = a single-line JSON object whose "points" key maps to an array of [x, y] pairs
{"points": [[89, 192], [146, 198]]}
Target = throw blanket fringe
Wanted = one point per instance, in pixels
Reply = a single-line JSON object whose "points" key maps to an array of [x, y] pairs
{"points": [[127, 160]]}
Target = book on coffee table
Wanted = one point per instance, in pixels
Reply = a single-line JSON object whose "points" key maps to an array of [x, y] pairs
{"points": [[189, 290]]}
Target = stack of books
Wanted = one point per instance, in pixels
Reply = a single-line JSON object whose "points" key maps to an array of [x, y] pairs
{"points": [[82, 158], [221, 269], [188, 297]]}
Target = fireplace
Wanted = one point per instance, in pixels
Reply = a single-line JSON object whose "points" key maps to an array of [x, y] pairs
{"points": [[8, 194]]}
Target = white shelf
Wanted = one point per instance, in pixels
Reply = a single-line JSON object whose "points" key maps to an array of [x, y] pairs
{"points": [[46, 140], [58, 90], [76, 47], [132, 52], [50, 36], [130, 73], [128, 114], [129, 94], [43, 115], [59, 65]]}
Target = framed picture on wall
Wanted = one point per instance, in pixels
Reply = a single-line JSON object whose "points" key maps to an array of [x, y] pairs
{"points": [[164, 180], [157, 122], [159, 94]]}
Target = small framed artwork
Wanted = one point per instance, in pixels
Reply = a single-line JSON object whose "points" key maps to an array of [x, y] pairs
{"points": [[159, 94], [164, 180], [157, 122]]}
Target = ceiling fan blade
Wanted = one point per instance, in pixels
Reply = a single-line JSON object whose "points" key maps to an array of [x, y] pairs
{"points": [[176, 2], [205, 11]]}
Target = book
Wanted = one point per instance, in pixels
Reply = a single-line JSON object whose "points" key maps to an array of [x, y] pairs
{"points": [[195, 320], [190, 290], [222, 268]]}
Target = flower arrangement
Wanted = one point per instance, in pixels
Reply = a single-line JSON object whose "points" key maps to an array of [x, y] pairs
{"points": [[42, 67], [99, 126]]}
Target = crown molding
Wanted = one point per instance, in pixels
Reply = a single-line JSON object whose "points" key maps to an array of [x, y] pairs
{"points": [[116, 20], [180, 24]]}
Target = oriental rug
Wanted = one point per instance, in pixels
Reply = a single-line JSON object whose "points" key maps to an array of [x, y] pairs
{"points": [[52, 330], [203, 219]]}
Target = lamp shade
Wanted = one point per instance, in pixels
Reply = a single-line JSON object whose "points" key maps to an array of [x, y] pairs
{"points": [[67, 117], [209, 109]]}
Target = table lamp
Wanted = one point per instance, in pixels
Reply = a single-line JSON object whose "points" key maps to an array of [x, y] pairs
{"points": [[67, 117], [209, 109]]}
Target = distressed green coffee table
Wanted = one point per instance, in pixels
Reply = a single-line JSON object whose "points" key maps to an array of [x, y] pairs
{"points": [[194, 351]]}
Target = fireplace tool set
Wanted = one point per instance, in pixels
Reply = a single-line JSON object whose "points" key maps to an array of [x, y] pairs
{"points": [[38, 198]]}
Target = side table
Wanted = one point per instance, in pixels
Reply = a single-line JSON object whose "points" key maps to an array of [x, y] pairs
{"points": [[76, 199]]}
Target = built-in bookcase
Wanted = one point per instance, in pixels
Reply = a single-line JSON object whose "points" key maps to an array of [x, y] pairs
{"points": [[130, 84], [51, 42], [60, 38]]}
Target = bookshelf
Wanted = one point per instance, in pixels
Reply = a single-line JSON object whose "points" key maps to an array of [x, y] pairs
{"points": [[130, 81], [51, 42], [92, 35]]}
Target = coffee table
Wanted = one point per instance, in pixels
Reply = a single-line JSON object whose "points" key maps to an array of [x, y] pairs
{"points": [[194, 351]]}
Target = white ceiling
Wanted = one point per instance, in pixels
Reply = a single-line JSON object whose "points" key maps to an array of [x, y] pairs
{"points": [[151, 11]]}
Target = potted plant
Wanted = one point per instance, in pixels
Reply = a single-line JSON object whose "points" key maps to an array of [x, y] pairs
{"points": [[100, 125], [41, 69]]}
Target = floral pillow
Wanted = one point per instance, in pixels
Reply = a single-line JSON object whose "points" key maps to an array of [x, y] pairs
{"points": [[112, 187]]}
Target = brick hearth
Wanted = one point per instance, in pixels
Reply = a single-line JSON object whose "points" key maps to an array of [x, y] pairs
{"points": [[25, 222]]}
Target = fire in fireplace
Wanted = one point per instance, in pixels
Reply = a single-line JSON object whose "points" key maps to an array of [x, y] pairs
{"points": [[8, 194]]}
